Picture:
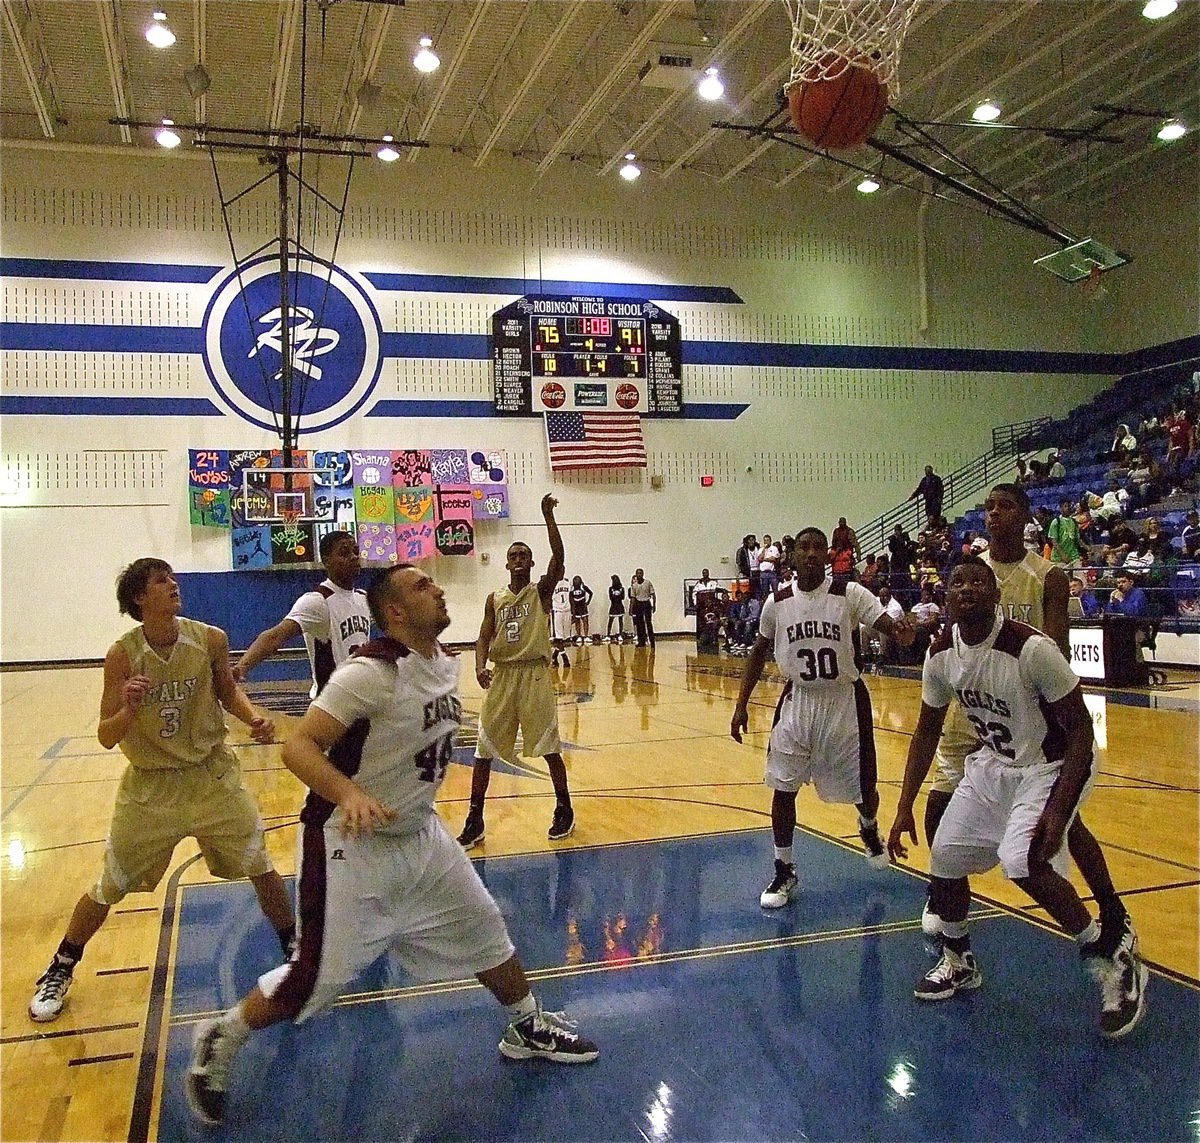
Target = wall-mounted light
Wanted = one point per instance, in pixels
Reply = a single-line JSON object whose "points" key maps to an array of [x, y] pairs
{"points": [[1157, 9], [426, 59], [158, 34], [710, 87], [387, 152], [1172, 129], [167, 136], [867, 186], [987, 112], [630, 170]]}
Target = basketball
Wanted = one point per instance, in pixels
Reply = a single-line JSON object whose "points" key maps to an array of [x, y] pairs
{"points": [[837, 113]]}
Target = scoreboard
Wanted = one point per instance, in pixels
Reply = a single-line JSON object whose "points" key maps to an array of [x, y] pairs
{"points": [[553, 353]]}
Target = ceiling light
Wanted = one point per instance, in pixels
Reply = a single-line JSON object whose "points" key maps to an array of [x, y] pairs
{"points": [[157, 32], [387, 152], [1172, 129], [986, 112], [867, 186], [167, 136], [710, 87], [630, 170], [426, 59], [1157, 9]]}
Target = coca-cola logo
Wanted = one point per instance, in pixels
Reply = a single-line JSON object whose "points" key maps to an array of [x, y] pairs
{"points": [[554, 396], [627, 395]]}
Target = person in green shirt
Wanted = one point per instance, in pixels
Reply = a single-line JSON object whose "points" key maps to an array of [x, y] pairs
{"points": [[1065, 544]]}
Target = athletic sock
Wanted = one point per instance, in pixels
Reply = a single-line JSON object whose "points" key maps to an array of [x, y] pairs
{"points": [[523, 1009], [865, 822], [68, 952], [1089, 936], [957, 945], [784, 854]]}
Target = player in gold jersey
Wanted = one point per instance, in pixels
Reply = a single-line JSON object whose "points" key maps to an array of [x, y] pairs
{"points": [[1033, 591], [165, 684], [519, 694]]}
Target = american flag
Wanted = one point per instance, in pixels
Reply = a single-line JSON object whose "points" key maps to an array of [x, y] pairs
{"points": [[595, 440]]}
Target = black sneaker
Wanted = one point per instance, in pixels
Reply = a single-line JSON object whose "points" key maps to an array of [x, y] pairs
{"points": [[207, 1078], [877, 854], [1116, 932], [472, 832], [547, 1036], [563, 824], [783, 887], [955, 972], [51, 992], [565, 661], [1122, 979]]}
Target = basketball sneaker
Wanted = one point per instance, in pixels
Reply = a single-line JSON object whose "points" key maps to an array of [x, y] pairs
{"points": [[931, 930], [563, 823], [783, 887], [1122, 979], [877, 854], [547, 1036], [472, 831], [51, 992], [207, 1078], [565, 661], [955, 972]]}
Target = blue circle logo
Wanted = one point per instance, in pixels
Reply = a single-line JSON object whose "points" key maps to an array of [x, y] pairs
{"points": [[333, 332]]}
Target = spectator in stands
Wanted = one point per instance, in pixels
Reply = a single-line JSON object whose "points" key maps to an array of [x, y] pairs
{"points": [[1089, 606], [1110, 507], [1191, 535], [901, 554], [1150, 428], [1127, 598], [1037, 472], [928, 615], [746, 560], [1181, 441], [1147, 481], [841, 564], [888, 647], [869, 576], [1022, 476], [1064, 537], [784, 571], [1035, 530], [1123, 445], [1141, 559], [768, 565], [932, 491], [1121, 538], [1055, 469], [845, 537]]}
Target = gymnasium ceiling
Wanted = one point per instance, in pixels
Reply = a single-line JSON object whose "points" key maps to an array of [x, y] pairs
{"points": [[579, 81]]}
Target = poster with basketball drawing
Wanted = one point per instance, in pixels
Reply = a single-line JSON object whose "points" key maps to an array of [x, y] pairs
{"points": [[209, 482], [455, 532], [489, 502], [251, 547], [292, 544], [374, 500]]}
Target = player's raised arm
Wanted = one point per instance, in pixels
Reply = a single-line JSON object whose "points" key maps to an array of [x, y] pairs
{"points": [[558, 564]]}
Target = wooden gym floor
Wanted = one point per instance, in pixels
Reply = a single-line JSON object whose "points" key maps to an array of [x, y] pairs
{"points": [[650, 759]]}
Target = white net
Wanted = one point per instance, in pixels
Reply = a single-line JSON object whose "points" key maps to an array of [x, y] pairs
{"points": [[829, 36]]}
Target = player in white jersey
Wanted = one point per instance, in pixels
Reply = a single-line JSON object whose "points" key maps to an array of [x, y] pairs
{"points": [[560, 621], [1032, 768], [822, 731], [1033, 591], [377, 869], [333, 617]]}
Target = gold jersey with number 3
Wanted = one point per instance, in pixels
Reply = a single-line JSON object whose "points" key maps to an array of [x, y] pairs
{"points": [[180, 722]]}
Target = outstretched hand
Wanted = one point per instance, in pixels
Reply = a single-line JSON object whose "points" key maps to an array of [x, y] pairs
{"points": [[904, 824], [262, 730], [549, 503], [738, 723]]}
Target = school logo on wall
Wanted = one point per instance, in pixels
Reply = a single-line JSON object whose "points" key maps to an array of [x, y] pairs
{"points": [[334, 334]]}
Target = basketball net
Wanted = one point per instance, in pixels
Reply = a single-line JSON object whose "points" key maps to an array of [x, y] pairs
{"points": [[1092, 286], [291, 527], [829, 36]]}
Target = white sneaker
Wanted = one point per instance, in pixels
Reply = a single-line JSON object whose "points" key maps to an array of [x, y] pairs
{"points": [[51, 992], [783, 887], [953, 973], [1122, 981], [207, 1079]]}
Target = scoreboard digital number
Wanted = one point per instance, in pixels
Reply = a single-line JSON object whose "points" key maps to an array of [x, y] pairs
{"points": [[586, 353]]}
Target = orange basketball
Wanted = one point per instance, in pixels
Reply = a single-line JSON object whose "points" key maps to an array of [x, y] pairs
{"points": [[838, 113]]}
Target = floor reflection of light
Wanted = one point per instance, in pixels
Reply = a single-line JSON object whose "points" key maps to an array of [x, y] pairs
{"points": [[659, 1113], [16, 853], [901, 1079], [1195, 1125]]}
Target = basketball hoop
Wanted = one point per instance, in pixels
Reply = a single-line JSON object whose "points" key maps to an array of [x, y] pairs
{"points": [[292, 536], [1092, 286], [831, 36]]}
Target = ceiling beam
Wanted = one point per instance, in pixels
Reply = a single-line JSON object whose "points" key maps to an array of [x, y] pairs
{"points": [[750, 16], [632, 54], [290, 17], [367, 56], [498, 63], [117, 59], [452, 70], [199, 48], [28, 43]]}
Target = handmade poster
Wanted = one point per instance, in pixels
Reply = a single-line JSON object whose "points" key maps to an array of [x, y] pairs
{"points": [[209, 507], [489, 466], [209, 481], [414, 505], [323, 529], [333, 485], [251, 547], [374, 501], [452, 502], [410, 468], [415, 541], [377, 543], [489, 503], [292, 544], [449, 466], [455, 537]]}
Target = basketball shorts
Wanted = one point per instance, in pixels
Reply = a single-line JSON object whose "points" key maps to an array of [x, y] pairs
{"points": [[157, 809], [521, 697], [992, 816], [562, 624], [418, 897], [958, 740], [823, 736]]}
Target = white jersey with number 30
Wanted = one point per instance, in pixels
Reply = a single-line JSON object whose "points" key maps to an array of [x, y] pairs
{"points": [[813, 631]]}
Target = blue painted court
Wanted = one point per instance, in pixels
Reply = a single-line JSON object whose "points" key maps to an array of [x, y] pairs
{"points": [[716, 1021]]}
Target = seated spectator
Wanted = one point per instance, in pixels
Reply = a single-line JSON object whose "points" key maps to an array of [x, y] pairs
{"points": [[1122, 537], [1037, 472], [888, 647], [1147, 481], [1123, 445], [1034, 537], [1127, 598], [1149, 429], [1088, 605], [745, 624], [1022, 476], [1191, 535], [928, 574], [927, 612], [1056, 470], [869, 576], [1110, 507], [1153, 528], [1141, 559]]}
